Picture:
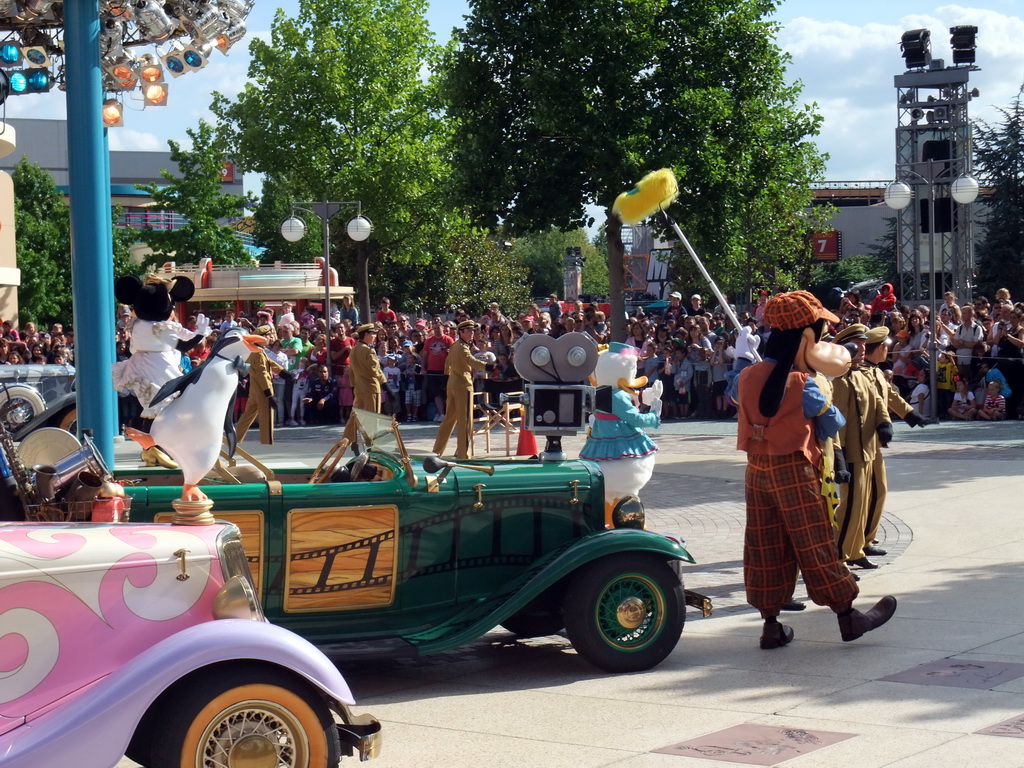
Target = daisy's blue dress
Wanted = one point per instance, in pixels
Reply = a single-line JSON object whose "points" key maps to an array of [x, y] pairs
{"points": [[620, 434]]}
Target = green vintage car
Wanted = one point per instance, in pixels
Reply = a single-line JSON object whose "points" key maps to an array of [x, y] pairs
{"points": [[424, 555]]}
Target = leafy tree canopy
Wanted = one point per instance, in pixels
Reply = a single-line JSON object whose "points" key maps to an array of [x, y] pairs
{"points": [[999, 155], [557, 106], [542, 254], [42, 224], [197, 195], [339, 107]]}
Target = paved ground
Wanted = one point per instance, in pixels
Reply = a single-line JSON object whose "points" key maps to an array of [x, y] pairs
{"points": [[955, 545]]}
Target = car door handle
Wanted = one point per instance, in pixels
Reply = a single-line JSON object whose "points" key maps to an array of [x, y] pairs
{"points": [[479, 488], [180, 554]]}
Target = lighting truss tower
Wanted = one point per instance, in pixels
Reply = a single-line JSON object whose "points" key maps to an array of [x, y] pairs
{"points": [[933, 148]]}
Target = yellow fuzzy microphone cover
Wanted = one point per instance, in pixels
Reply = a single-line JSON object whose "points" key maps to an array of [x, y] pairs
{"points": [[656, 191]]}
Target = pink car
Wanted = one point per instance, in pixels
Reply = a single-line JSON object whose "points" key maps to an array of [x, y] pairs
{"points": [[148, 640]]}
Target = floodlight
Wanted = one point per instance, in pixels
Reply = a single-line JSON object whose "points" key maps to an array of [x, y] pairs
{"points": [[236, 9], [916, 46], [113, 113], [154, 94], [150, 70], [36, 8], [10, 55], [197, 55], [962, 40], [36, 56], [230, 36], [174, 61], [153, 21]]}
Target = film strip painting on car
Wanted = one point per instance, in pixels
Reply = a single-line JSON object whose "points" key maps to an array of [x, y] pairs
{"points": [[340, 559]]}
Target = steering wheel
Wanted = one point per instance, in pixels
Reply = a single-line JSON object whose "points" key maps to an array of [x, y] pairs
{"points": [[323, 471], [359, 465]]}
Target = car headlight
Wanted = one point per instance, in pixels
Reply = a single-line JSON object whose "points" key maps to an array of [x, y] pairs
{"points": [[628, 513], [237, 598]]}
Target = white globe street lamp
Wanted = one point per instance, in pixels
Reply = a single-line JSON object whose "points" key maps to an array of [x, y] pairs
{"points": [[964, 190], [293, 229], [898, 195], [359, 228]]}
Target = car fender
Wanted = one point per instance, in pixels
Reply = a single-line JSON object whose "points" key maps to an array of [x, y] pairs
{"points": [[94, 727], [594, 547], [480, 617]]}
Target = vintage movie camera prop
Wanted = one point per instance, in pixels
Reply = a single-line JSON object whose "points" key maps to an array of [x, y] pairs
{"points": [[557, 395]]}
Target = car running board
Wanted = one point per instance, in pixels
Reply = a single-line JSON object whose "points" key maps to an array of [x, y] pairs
{"points": [[385, 648]]}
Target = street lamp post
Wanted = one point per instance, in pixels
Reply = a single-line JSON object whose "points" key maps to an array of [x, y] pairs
{"points": [[358, 229], [898, 195]]}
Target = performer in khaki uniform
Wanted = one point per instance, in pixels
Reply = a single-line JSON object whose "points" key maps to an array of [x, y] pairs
{"points": [[868, 428], [459, 367], [260, 404], [876, 350], [365, 375]]}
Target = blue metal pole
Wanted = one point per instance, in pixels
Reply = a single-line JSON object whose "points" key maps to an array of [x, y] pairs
{"points": [[92, 271]]}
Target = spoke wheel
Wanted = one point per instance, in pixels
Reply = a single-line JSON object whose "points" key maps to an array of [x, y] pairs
{"points": [[243, 720], [625, 613]]}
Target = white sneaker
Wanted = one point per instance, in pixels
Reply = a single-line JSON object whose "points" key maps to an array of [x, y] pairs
{"points": [[302, 422], [292, 423]]}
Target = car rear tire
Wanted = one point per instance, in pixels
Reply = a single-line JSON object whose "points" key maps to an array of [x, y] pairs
{"points": [[625, 613], [242, 718]]}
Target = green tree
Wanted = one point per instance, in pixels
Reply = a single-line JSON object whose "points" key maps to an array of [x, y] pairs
{"points": [[275, 205], [43, 236], [999, 154], [542, 254], [562, 105], [197, 196], [337, 107], [43, 240], [471, 270]]}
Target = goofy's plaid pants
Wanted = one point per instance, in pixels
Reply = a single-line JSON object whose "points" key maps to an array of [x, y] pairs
{"points": [[788, 528]]}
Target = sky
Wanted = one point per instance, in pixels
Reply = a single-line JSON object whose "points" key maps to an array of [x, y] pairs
{"points": [[844, 53]]}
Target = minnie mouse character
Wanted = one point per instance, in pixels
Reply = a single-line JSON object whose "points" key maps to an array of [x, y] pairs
{"points": [[157, 343]]}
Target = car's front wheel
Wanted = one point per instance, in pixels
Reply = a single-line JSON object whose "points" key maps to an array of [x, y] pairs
{"points": [[625, 613], [247, 719]]}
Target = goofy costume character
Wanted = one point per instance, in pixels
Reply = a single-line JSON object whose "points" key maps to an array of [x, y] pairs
{"points": [[783, 417]]}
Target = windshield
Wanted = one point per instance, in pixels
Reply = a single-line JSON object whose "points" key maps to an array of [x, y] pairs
{"points": [[380, 433]]}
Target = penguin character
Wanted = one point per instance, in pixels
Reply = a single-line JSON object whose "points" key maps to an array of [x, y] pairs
{"points": [[157, 344], [197, 410]]}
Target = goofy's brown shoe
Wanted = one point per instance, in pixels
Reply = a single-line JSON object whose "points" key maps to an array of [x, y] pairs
{"points": [[854, 623], [775, 635]]}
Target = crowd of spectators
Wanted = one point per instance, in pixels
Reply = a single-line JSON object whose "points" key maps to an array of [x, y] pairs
{"points": [[979, 366], [687, 346], [30, 346]]}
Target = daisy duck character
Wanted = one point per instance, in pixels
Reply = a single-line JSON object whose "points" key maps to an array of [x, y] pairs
{"points": [[617, 441]]}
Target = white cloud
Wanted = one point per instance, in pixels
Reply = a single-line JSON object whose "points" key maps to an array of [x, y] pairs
{"points": [[848, 70], [126, 139]]}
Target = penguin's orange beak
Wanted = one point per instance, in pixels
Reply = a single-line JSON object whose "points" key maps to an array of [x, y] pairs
{"points": [[253, 342]]}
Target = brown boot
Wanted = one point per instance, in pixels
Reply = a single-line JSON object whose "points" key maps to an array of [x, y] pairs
{"points": [[775, 635], [854, 624]]}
